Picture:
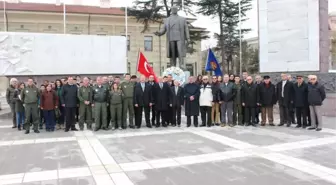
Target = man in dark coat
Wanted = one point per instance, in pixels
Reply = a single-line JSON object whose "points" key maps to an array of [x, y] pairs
{"points": [[284, 90], [169, 112], [162, 102], [267, 100], [300, 101], [258, 81], [151, 83], [176, 102], [142, 101], [316, 96], [250, 100], [70, 101], [191, 97]]}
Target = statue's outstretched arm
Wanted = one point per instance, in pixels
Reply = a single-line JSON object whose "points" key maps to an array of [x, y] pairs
{"points": [[162, 31]]}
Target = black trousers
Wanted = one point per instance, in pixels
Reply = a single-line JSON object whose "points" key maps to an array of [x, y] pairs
{"points": [[291, 112], [153, 110], [284, 115], [176, 115], [138, 115], [70, 117], [206, 115], [77, 113], [301, 113], [195, 121], [169, 116], [308, 115], [163, 115], [249, 114], [257, 113]]}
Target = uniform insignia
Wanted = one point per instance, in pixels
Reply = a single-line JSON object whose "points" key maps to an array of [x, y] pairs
{"points": [[83, 90], [96, 90], [27, 91], [125, 86]]}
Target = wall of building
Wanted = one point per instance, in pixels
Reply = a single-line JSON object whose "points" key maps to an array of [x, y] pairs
{"points": [[102, 25]]}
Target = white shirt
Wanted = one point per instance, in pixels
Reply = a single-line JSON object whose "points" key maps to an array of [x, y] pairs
{"points": [[283, 88]]}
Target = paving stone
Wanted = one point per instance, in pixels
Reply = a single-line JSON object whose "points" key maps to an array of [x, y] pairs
{"points": [[7, 134], [40, 157], [141, 148]]}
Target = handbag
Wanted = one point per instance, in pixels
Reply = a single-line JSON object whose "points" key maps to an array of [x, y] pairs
{"points": [[57, 113]]}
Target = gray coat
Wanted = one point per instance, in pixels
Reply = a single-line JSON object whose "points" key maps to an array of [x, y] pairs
{"points": [[182, 48]]}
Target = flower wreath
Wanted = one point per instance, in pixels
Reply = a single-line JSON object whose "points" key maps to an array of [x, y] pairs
{"points": [[177, 73]]}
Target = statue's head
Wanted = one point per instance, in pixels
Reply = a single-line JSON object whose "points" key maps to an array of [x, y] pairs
{"points": [[174, 10]]}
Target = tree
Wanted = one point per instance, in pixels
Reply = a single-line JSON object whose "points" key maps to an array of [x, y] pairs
{"points": [[227, 11], [154, 11], [250, 59]]}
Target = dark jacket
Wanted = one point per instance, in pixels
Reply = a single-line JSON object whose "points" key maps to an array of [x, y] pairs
{"points": [[161, 96], [227, 92], [250, 95], [101, 94], [69, 95], [267, 94], [48, 100], [300, 95], [10, 94], [191, 107], [215, 92], [142, 97], [18, 103], [238, 89], [288, 93], [177, 100], [30, 94], [316, 94]]}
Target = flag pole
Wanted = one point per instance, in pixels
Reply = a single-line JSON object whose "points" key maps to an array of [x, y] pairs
{"points": [[240, 41], [64, 17], [4, 14]]}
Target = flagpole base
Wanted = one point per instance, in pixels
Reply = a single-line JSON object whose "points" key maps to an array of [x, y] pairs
{"points": [[177, 73]]}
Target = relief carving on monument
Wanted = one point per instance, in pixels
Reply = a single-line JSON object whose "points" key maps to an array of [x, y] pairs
{"points": [[12, 50]]}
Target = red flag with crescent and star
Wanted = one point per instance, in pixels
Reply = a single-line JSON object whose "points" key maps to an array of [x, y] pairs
{"points": [[144, 67]]}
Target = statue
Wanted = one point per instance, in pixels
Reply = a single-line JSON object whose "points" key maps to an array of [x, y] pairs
{"points": [[178, 38]]}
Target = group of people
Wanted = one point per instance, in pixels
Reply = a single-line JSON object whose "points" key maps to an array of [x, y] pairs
{"points": [[111, 103]]}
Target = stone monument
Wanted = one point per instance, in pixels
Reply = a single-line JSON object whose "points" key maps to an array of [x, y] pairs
{"points": [[177, 33]]}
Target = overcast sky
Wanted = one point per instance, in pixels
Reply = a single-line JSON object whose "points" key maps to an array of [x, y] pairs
{"points": [[202, 21]]}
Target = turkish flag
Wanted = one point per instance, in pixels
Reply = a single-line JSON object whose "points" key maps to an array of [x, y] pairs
{"points": [[144, 68]]}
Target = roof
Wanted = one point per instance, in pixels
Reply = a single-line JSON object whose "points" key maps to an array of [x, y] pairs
{"points": [[79, 9]]}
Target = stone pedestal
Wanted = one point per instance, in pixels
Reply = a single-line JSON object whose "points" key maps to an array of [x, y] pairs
{"points": [[293, 35]]}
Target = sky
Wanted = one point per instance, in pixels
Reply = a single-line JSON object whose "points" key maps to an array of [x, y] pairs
{"points": [[212, 25]]}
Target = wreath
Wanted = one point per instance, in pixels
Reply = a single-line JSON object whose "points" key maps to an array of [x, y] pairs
{"points": [[177, 73]]}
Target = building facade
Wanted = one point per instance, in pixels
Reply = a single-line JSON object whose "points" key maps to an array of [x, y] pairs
{"points": [[89, 20]]}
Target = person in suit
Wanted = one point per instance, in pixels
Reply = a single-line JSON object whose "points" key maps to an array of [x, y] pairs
{"points": [[250, 100], [151, 82], [143, 100], [176, 102], [191, 97], [284, 90], [161, 100], [300, 101], [267, 100], [169, 112]]}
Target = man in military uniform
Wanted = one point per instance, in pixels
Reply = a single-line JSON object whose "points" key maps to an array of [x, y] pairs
{"points": [[237, 104], [29, 97], [85, 110], [127, 87], [9, 97], [100, 98], [106, 84]]}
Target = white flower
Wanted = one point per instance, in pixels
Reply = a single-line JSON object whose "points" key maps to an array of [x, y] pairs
{"points": [[177, 73]]}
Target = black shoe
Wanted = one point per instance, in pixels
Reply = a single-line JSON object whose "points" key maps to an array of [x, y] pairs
{"points": [[164, 125], [311, 128], [13, 126], [318, 129], [271, 124], [288, 125], [96, 129], [138, 127], [203, 125], [41, 127], [81, 129], [173, 125], [74, 129], [188, 125], [304, 126], [281, 124], [132, 126], [19, 128], [66, 130], [27, 132], [246, 124], [298, 126], [149, 126], [178, 125], [36, 131], [208, 125], [157, 126], [263, 124], [196, 125], [217, 124]]}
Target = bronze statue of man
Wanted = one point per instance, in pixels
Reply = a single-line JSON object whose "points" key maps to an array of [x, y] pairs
{"points": [[177, 33]]}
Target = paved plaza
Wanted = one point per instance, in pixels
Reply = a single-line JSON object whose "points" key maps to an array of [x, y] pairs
{"points": [[170, 156]]}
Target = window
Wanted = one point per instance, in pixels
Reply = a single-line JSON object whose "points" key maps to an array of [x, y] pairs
{"points": [[128, 43], [148, 43]]}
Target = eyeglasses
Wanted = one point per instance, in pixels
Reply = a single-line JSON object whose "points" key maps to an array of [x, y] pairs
{"points": [[249, 79], [205, 79]]}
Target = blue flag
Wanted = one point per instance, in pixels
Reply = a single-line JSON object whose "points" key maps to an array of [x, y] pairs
{"points": [[212, 64]]}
